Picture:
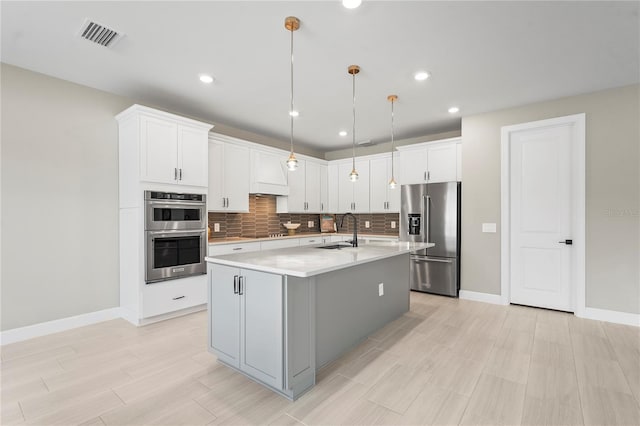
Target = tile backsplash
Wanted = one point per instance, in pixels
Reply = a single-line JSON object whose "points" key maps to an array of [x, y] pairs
{"points": [[262, 221]]}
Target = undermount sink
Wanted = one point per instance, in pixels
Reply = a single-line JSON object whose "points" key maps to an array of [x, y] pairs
{"points": [[334, 246]]}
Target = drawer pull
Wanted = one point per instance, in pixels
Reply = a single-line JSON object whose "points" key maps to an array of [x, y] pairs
{"points": [[237, 248], [179, 297]]}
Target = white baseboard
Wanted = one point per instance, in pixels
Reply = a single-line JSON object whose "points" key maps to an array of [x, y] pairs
{"points": [[56, 326], [611, 316], [496, 299]]}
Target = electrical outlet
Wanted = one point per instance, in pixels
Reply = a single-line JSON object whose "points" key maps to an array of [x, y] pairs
{"points": [[381, 289], [367, 224], [310, 224], [216, 227], [489, 227], [393, 224]]}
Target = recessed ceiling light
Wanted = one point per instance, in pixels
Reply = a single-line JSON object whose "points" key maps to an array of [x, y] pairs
{"points": [[206, 78], [421, 75], [453, 110], [342, 133], [351, 4], [294, 113]]}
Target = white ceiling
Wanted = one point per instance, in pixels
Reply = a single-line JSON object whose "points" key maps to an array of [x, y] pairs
{"points": [[483, 56]]}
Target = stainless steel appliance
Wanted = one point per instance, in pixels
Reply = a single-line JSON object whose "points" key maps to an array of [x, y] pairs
{"points": [[175, 234], [431, 213]]}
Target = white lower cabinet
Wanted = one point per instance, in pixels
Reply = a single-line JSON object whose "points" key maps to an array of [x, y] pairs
{"points": [[260, 324], [221, 249], [173, 295], [276, 244]]}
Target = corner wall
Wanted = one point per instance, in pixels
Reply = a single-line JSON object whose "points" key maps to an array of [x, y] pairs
{"points": [[612, 194], [59, 198]]}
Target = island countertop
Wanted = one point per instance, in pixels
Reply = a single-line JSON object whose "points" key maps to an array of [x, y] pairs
{"points": [[310, 261]]}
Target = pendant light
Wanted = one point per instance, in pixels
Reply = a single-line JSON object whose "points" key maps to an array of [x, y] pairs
{"points": [[392, 182], [291, 23], [353, 70]]}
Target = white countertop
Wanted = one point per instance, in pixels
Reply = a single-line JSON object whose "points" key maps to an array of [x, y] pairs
{"points": [[236, 240], [311, 260]]}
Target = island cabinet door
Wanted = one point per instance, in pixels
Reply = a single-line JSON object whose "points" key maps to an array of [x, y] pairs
{"points": [[261, 324], [224, 313]]}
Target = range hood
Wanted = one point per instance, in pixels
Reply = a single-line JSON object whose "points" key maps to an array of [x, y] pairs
{"points": [[268, 173]]}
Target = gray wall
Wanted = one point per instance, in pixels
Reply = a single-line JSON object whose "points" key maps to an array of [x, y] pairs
{"points": [[612, 194], [59, 198]]}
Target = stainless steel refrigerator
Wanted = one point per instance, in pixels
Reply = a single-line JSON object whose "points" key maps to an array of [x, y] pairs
{"points": [[431, 213]]}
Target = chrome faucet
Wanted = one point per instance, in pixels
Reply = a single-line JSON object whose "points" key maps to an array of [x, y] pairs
{"points": [[354, 241]]}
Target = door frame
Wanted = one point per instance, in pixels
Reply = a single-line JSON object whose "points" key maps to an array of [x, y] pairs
{"points": [[578, 190]]}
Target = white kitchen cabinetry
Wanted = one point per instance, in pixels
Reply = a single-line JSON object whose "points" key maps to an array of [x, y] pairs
{"points": [[383, 198], [305, 183], [333, 199], [276, 244], [172, 149], [268, 172], [222, 249], [228, 177], [353, 196], [429, 162]]}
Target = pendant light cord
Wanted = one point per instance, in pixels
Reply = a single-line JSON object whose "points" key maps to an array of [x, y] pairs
{"points": [[291, 98], [392, 141], [353, 131]]}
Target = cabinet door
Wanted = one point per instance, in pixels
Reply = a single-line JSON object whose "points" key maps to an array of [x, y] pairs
{"points": [[442, 160], [224, 313], [413, 166], [345, 188], [324, 188], [379, 174], [236, 177], [158, 150], [296, 200], [192, 156], [361, 188], [262, 327], [333, 193], [216, 177], [313, 187]]}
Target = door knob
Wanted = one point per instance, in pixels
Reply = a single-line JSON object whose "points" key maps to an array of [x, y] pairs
{"points": [[567, 242]]}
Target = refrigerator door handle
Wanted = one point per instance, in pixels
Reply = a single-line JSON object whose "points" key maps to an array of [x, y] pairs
{"points": [[427, 217], [431, 259]]}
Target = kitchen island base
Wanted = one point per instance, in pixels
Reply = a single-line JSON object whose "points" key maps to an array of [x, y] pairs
{"points": [[280, 329]]}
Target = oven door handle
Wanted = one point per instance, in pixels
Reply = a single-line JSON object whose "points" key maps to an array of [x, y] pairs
{"points": [[187, 233], [430, 259]]}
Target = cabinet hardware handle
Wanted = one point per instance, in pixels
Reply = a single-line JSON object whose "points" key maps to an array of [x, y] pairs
{"points": [[179, 297], [235, 284], [428, 175], [567, 242], [180, 174], [240, 282], [237, 248], [312, 241], [175, 173], [321, 206]]}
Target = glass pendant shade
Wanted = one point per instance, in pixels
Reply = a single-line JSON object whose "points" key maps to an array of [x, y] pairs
{"points": [[353, 176], [392, 183], [292, 162]]}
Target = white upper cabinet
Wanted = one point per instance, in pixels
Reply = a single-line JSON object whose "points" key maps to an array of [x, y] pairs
{"points": [[383, 199], [228, 177], [305, 188], [268, 173], [353, 196], [430, 162], [324, 188], [332, 190], [169, 149]]}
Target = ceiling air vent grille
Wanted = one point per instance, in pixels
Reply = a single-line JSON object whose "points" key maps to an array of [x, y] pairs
{"points": [[100, 34]]}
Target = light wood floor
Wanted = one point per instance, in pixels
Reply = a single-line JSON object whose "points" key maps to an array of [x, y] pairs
{"points": [[447, 361]]}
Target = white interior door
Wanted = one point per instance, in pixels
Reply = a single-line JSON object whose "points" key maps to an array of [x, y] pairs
{"points": [[541, 217]]}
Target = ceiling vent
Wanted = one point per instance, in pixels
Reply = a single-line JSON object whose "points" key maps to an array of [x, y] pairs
{"points": [[99, 34]]}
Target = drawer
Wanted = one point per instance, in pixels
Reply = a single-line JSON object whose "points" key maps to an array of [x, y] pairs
{"points": [[337, 238], [275, 244], [173, 295], [311, 240], [220, 249]]}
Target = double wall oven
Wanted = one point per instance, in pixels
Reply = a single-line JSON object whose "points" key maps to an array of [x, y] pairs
{"points": [[175, 235]]}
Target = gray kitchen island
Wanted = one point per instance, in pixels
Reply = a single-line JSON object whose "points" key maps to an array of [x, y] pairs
{"points": [[279, 315]]}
